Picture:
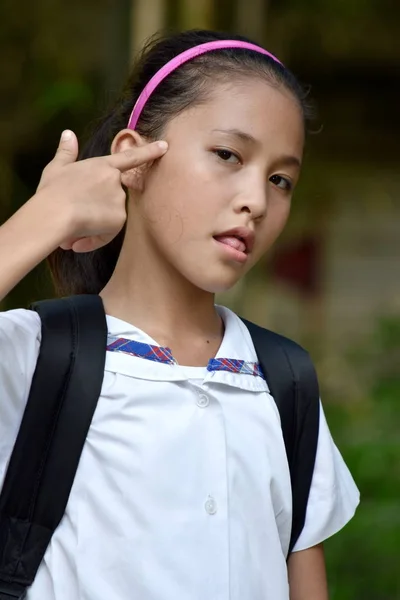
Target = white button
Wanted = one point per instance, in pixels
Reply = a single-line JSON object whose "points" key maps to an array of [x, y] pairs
{"points": [[211, 506], [203, 401]]}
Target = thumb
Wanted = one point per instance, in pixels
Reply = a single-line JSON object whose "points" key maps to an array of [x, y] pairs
{"points": [[67, 151]]}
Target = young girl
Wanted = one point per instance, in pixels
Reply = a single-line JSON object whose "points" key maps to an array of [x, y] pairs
{"points": [[183, 489]]}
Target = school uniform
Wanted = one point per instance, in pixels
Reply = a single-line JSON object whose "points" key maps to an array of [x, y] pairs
{"points": [[183, 488]]}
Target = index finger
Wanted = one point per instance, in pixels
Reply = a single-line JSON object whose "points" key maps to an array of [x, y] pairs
{"points": [[128, 159]]}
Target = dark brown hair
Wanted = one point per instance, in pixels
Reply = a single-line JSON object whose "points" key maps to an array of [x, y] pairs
{"points": [[189, 85]]}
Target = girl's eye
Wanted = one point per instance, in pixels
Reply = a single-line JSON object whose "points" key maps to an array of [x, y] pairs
{"points": [[282, 183], [228, 156]]}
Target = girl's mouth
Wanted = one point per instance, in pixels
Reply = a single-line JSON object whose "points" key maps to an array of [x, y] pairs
{"points": [[239, 241], [233, 241], [233, 246]]}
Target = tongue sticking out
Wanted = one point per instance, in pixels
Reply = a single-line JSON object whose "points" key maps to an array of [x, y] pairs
{"points": [[232, 241]]}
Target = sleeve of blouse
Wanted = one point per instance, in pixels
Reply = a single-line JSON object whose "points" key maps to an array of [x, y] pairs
{"points": [[20, 333], [333, 497]]}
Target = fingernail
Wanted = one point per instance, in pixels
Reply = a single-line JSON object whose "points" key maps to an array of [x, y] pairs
{"points": [[66, 135], [162, 145]]}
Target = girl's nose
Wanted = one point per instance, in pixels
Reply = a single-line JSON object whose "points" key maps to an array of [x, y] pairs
{"points": [[254, 202]]}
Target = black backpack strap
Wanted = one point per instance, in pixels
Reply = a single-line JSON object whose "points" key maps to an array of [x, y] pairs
{"points": [[293, 383], [65, 388]]}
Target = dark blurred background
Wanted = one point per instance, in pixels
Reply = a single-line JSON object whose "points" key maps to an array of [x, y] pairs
{"points": [[333, 280]]}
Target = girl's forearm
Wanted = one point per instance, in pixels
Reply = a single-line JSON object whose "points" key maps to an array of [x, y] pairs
{"points": [[26, 239], [307, 575]]}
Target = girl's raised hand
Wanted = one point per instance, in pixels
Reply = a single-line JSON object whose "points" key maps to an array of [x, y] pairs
{"points": [[89, 192]]}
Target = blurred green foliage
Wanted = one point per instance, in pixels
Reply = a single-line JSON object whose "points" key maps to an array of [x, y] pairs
{"points": [[363, 560]]}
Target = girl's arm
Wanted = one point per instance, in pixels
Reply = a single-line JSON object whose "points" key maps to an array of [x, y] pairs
{"points": [[78, 205], [307, 574], [26, 239]]}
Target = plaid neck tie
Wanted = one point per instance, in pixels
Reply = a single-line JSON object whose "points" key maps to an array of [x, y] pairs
{"points": [[164, 355]]}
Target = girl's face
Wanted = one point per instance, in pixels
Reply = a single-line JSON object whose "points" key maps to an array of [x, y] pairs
{"points": [[220, 196]]}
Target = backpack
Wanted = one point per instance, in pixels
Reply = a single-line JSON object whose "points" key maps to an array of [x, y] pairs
{"points": [[62, 400]]}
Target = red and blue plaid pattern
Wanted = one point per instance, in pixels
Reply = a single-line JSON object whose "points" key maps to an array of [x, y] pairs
{"points": [[235, 366], [155, 353], [164, 355]]}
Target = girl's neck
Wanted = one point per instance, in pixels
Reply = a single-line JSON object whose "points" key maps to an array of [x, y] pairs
{"points": [[151, 295]]}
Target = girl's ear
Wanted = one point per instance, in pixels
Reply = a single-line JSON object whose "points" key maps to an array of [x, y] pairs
{"points": [[127, 139]]}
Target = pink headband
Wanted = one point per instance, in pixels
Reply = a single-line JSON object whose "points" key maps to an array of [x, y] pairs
{"points": [[180, 60]]}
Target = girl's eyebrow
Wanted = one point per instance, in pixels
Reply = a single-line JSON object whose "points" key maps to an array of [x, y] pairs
{"points": [[286, 160], [244, 137]]}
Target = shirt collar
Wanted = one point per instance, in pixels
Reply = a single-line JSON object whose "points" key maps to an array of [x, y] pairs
{"points": [[236, 344]]}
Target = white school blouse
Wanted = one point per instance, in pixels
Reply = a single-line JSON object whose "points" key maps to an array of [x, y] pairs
{"points": [[183, 489]]}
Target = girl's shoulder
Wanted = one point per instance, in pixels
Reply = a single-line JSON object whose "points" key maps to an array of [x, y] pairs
{"points": [[19, 322], [20, 335]]}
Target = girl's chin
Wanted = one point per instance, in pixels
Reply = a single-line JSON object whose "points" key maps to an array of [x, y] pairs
{"points": [[213, 277], [217, 286]]}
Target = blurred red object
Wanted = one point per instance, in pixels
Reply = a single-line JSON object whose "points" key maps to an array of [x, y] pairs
{"points": [[299, 265]]}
